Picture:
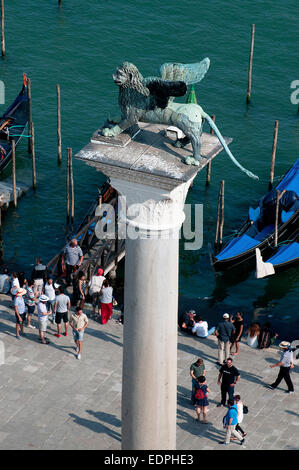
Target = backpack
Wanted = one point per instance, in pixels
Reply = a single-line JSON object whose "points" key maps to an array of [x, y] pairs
{"points": [[199, 395]]}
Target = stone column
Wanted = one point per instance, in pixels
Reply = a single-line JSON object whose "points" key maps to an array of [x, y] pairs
{"points": [[153, 219]]}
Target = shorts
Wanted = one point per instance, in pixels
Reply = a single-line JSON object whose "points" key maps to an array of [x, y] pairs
{"points": [[78, 335], [42, 325], [31, 309], [61, 316], [23, 316]]}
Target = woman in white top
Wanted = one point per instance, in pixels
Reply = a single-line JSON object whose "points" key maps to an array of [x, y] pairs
{"points": [[253, 335], [49, 291], [240, 414], [106, 302], [95, 286], [15, 285]]}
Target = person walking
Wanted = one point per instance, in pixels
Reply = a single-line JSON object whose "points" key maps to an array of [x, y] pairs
{"points": [[285, 365], [42, 315], [227, 379], [20, 311], [224, 332], [72, 257], [239, 405], [30, 299], [78, 323], [39, 275], [95, 286], [49, 291], [62, 308], [106, 301], [201, 397], [239, 326], [230, 423], [197, 369]]}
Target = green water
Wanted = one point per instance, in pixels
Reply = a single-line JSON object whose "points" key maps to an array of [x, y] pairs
{"points": [[79, 47]]}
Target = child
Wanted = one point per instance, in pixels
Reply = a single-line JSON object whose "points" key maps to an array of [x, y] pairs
{"points": [[201, 397]]}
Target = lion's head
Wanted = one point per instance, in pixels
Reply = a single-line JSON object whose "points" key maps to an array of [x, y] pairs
{"points": [[128, 76]]}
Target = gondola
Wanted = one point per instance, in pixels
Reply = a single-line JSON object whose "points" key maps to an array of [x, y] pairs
{"points": [[258, 231], [12, 125]]}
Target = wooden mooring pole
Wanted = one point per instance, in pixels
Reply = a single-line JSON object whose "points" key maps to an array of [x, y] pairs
{"points": [[33, 159], [273, 155], [2, 30], [220, 217], [29, 115], [250, 64], [278, 197], [14, 183], [209, 165], [58, 123]]}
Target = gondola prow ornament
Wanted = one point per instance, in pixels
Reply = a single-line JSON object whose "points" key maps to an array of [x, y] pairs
{"points": [[151, 100]]}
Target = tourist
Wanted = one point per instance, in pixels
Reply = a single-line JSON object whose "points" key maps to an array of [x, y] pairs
{"points": [[72, 257], [5, 282], [267, 336], [239, 326], [39, 275], [42, 315], [285, 364], [62, 307], [30, 299], [224, 332], [78, 322], [230, 423], [15, 285], [239, 405], [200, 328], [253, 334], [197, 369], [201, 397], [22, 279], [106, 301], [20, 311], [95, 286], [227, 379], [187, 321], [80, 290], [49, 291]]}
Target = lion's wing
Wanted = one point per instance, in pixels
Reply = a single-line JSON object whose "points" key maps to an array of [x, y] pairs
{"points": [[188, 73]]}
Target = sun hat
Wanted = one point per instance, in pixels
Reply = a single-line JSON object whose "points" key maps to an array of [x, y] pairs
{"points": [[21, 291], [225, 315], [44, 298], [192, 312], [284, 344]]}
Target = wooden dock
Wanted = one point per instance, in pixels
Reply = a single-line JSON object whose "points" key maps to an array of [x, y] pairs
{"points": [[6, 192]]}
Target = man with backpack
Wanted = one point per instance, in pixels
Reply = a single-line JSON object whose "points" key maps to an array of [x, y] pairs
{"points": [[230, 422]]}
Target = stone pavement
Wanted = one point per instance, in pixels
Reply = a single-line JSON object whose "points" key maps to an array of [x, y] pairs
{"points": [[50, 400]]}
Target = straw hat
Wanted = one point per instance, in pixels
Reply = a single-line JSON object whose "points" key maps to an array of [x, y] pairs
{"points": [[43, 298], [284, 345], [225, 315], [21, 291]]}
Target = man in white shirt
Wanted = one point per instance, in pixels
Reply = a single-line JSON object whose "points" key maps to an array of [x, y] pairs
{"points": [[285, 364], [200, 328]]}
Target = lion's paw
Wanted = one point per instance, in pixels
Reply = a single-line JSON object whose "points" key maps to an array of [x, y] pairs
{"points": [[107, 132], [192, 161]]}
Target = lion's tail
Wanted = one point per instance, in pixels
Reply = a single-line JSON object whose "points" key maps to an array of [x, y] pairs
{"points": [[222, 141]]}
